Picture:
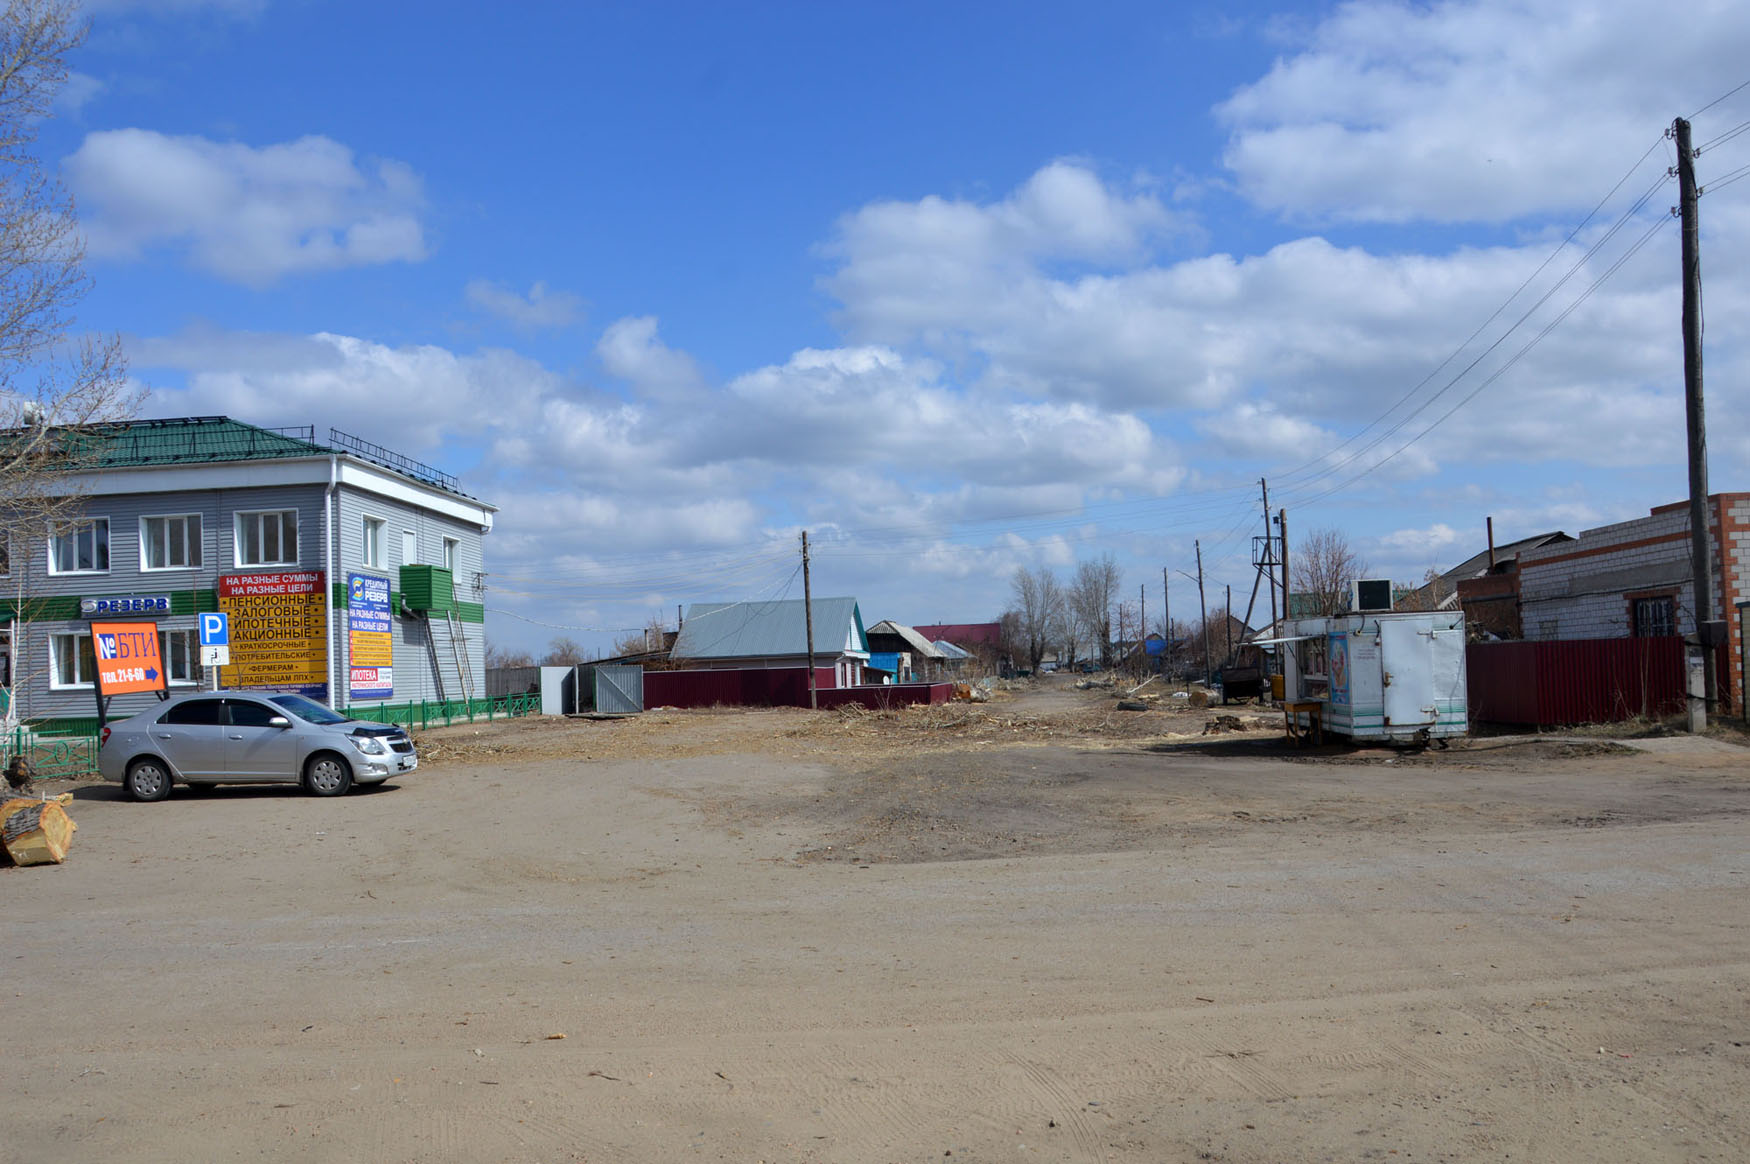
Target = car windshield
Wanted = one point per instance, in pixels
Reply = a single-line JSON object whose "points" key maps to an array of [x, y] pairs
{"points": [[307, 710]]}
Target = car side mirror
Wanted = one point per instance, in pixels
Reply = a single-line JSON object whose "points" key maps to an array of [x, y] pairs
{"points": [[279, 721]]}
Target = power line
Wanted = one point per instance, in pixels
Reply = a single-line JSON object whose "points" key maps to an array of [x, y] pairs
{"points": [[1718, 99], [1288, 475]]}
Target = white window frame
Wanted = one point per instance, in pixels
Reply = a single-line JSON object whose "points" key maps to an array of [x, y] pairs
{"points": [[408, 535], [76, 527], [452, 550], [256, 515], [56, 681], [371, 541], [193, 547], [191, 655]]}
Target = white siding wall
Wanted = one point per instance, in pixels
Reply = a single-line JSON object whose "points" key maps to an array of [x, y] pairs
{"points": [[414, 672], [218, 507], [126, 577]]}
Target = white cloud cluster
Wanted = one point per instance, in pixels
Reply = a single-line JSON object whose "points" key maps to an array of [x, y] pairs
{"points": [[1271, 357], [1473, 110], [540, 309], [248, 214]]}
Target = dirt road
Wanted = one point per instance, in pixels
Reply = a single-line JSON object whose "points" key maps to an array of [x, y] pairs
{"points": [[784, 937]]}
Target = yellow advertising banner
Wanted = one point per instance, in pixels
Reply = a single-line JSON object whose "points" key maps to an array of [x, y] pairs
{"points": [[279, 628]]}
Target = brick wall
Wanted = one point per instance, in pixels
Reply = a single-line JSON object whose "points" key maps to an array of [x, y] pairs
{"points": [[1585, 589]]}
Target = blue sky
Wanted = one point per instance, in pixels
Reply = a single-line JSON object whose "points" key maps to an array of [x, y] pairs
{"points": [[957, 288]]}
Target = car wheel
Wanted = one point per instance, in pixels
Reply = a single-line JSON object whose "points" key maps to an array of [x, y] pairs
{"points": [[147, 780], [327, 775]]}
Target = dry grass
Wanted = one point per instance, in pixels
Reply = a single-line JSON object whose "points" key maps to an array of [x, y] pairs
{"points": [[1087, 719]]}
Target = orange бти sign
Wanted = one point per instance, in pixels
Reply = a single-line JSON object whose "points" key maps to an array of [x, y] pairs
{"points": [[127, 657]]}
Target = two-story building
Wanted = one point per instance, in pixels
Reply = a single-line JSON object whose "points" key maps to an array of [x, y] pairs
{"points": [[347, 571]]}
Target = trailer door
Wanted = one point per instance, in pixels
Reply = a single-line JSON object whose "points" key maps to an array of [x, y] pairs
{"points": [[1406, 656]]}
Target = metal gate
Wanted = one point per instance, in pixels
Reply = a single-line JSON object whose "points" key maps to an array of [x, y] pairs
{"points": [[603, 689], [619, 690]]}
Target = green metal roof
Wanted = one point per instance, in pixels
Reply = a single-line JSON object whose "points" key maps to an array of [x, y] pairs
{"points": [[193, 440], [197, 439]]}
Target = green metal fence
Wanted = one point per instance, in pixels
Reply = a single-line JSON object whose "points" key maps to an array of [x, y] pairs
{"points": [[53, 757], [430, 713]]}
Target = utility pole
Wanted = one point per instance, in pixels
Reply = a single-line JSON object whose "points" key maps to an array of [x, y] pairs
{"points": [[1142, 635], [808, 621], [1203, 612], [1269, 563], [1701, 567], [1282, 521], [1167, 614]]}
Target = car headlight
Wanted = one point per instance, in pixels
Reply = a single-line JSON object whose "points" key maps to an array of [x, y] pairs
{"points": [[370, 745]]}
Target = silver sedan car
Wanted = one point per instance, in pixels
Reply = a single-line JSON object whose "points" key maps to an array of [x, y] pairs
{"points": [[229, 737]]}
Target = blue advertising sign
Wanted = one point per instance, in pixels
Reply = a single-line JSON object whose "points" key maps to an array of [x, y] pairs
{"points": [[132, 604], [370, 638]]}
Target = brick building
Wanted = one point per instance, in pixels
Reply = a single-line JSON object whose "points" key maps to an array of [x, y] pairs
{"points": [[1632, 579]]}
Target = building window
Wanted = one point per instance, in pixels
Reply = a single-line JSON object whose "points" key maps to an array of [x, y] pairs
{"points": [[373, 535], [79, 547], [268, 539], [409, 548], [180, 654], [71, 663], [170, 543], [5, 555], [450, 545], [1655, 617]]}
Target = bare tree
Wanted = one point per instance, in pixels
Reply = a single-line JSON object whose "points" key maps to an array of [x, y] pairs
{"points": [[1433, 590], [497, 656], [562, 652], [641, 642], [1090, 600], [1039, 607], [1323, 564], [56, 388]]}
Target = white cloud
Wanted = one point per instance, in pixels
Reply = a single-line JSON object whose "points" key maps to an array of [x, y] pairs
{"points": [[541, 308], [1430, 541], [1474, 110], [416, 396], [247, 214], [631, 350], [78, 91], [1308, 354]]}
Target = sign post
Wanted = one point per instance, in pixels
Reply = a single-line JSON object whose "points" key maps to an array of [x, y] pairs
{"points": [[127, 658], [215, 643]]}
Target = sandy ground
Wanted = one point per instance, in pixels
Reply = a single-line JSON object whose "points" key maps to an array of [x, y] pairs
{"points": [[1032, 930]]}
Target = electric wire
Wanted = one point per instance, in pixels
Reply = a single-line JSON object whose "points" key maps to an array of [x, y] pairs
{"points": [[1717, 100], [1287, 476], [1292, 485], [1723, 181], [1736, 131], [1646, 237]]}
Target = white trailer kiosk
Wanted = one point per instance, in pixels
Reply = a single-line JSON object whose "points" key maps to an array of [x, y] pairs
{"points": [[1378, 675]]}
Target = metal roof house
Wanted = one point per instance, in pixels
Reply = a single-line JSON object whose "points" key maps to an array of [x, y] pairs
{"points": [[724, 635], [348, 571], [913, 655]]}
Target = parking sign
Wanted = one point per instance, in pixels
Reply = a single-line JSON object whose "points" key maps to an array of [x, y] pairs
{"points": [[215, 630]]}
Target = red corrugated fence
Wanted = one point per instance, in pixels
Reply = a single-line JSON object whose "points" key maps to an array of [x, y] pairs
{"points": [[777, 687], [1580, 680]]}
